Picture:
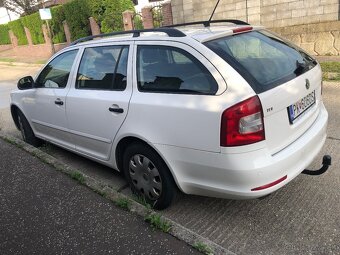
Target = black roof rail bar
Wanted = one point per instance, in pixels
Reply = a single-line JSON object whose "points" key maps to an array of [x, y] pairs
{"points": [[172, 32], [207, 22]]}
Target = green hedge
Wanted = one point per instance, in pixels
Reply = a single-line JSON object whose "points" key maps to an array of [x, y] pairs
{"points": [[57, 28], [4, 36], [77, 15], [18, 29], [108, 13], [34, 24]]}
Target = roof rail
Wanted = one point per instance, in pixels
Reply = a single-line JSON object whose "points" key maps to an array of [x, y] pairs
{"points": [[172, 32], [207, 22]]}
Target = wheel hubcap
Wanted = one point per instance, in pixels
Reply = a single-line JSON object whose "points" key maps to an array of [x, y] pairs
{"points": [[145, 176]]}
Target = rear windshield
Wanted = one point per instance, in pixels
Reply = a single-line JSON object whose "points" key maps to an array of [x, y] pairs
{"points": [[263, 59]]}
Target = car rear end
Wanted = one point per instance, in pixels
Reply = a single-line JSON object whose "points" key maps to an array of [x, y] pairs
{"points": [[271, 137]]}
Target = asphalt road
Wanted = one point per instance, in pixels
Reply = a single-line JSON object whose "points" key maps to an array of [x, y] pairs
{"points": [[45, 212], [301, 218]]}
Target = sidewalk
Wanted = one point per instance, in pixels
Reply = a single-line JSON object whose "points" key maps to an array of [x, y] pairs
{"points": [[45, 212], [328, 58], [8, 56]]}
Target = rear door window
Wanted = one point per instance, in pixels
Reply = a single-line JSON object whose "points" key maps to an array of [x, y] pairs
{"points": [[172, 70], [103, 68], [263, 59]]}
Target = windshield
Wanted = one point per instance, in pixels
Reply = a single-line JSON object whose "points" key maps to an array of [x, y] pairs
{"points": [[262, 58]]}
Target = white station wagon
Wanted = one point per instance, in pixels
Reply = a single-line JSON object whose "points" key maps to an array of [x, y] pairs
{"points": [[229, 111]]}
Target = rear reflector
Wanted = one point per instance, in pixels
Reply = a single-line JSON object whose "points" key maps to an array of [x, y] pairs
{"points": [[242, 29], [270, 184], [242, 124]]}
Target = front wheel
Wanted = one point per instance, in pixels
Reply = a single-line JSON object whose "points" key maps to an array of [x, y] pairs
{"points": [[26, 131], [148, 176]]}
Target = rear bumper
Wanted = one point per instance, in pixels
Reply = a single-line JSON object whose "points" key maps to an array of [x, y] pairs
{"points": [[234, 175]]}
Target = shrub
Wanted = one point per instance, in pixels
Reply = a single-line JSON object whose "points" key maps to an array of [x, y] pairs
{"points": [[157, 17], [4, 36], [34, 24], [18, 29], [77, 15], [108, 13], [57, 28], [138, 22]]}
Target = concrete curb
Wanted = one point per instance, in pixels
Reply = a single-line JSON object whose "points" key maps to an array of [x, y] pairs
{"points": [[177, 230]]}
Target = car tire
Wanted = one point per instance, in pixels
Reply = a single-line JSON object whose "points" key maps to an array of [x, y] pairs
{"points": [[26, 131], [148, 176]]}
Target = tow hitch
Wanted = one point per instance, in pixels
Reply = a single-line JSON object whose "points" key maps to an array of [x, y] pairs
{"points": [[326, 162]]}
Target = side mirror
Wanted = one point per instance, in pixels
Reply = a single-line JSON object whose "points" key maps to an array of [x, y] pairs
{"points": [[26, 83]]}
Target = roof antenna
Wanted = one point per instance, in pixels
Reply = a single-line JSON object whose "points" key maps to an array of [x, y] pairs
{"points": [[207, 24]]}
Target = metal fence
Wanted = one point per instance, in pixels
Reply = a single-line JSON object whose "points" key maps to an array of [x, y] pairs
{"points": [[157, 16]]}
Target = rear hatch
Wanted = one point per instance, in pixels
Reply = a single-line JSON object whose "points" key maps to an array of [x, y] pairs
{"points": [[286, 79]]}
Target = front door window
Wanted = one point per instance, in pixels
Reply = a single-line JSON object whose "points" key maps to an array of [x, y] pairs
{"points": [[56, 73]]}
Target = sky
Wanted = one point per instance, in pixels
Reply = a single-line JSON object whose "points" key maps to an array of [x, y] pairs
{"points": [[4, 17]]}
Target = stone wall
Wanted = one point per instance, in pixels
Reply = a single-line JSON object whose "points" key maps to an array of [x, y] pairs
{"points": [[270, 13], [317, 39], [280, 13], [37, 51], [195, 10], [44, 50], [312, 24], [5, 47]]}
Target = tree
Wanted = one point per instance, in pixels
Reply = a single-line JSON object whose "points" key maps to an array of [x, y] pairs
{"points": [[22, 7]]}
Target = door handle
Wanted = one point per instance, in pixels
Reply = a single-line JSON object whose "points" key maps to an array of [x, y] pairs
{"points": [[58, 102], [116, 110]]}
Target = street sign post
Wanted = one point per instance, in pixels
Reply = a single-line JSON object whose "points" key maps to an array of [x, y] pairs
{"points": [[45, 14]]}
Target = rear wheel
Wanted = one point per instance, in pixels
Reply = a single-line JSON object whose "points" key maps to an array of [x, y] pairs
{"points": [[148, 176], [26, 131]]}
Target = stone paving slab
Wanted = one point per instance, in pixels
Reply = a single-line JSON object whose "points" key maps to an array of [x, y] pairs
{"points": [[331, 95], [301, 218]]}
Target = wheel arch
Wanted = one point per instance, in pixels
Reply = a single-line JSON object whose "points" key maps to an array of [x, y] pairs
{"points": [[128, 140]]}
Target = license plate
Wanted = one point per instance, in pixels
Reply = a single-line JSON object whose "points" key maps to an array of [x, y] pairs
{"points": [[297, 109]]}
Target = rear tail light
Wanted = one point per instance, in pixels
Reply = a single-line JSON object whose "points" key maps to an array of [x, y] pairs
{"points": [[242, 123]]}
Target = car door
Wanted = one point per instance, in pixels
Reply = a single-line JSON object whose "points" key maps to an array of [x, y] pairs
{"points": [[178, 91], [98, 102], [48, 104]]}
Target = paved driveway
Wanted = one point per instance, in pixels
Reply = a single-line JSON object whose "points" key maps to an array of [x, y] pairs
{"points": [[301, 218]]}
